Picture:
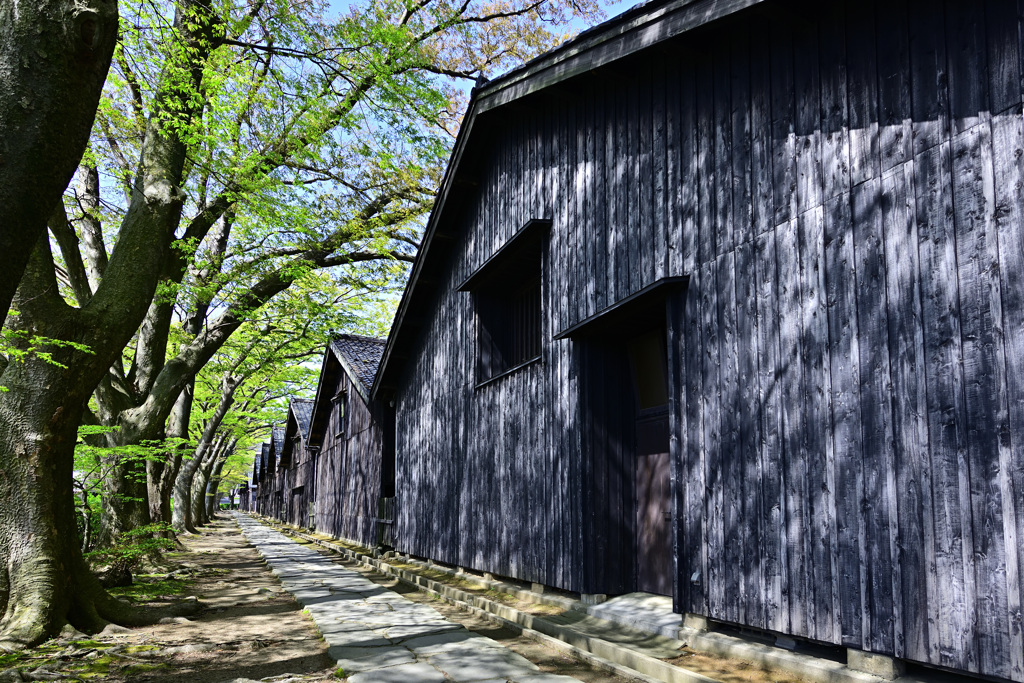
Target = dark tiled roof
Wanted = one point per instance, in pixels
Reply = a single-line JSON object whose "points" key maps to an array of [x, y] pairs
{"points": [[362, 355], [302, 408], [278, 440], [256, 463]]}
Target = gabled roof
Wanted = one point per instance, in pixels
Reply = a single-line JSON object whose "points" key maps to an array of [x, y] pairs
{"points": [[257, 464], [638, 29], [299, 412], [360, 356], [302, 409]]}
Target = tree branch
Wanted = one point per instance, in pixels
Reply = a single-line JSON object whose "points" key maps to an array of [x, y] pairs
{"points": [[68, 242]]}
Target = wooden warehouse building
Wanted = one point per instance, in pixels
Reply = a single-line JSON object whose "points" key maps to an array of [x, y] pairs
{"points": [[298, 463], [263, 484], [355, 471], [277, 476], [723, 299]]}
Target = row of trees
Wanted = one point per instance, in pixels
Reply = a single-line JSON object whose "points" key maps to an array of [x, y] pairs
{"points": [[192, 195]]}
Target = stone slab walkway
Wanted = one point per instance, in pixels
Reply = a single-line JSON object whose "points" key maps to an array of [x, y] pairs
{"points": [[377, 635]]}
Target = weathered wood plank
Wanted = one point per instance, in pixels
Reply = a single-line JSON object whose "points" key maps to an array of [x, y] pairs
{"points": [[644, 183], [1008, 146], [631, 190], [731, 456], [965, 41], [985, 398], [599, 195], [742, 181], [722, 238], [770, 371], [695, 525], [910, 426], [808, 124], [675, 316], [762, 173], [894, 107], [783, 135], [928, 75], [713, 461], [862, 75], [835, 126], [749, 482], [704, 101], [690, 167], [817, 446], [660, 217], [1002, 41], [796, 583], [844, 356], [882, 607], [625, 255], [944, 374]]}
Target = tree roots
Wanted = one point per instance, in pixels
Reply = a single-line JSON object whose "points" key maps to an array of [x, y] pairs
{"points": [[33, 619]]}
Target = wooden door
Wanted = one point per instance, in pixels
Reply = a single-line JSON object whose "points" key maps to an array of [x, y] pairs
{"points": [[648, 362], [653, 511]]}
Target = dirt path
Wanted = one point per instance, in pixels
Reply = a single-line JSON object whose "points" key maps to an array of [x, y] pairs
{"points": [[251, 629]]}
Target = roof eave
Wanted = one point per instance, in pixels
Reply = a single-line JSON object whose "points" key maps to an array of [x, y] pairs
{"points": [[635, 30]]}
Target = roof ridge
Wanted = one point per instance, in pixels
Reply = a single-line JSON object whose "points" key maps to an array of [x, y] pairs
{"points": [[359, 337]]}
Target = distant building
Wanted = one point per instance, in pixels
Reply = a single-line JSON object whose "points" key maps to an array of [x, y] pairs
{"points": [[354, 439]]}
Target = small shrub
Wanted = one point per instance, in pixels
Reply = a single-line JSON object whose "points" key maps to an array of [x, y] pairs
{"points": [[132, 548]]}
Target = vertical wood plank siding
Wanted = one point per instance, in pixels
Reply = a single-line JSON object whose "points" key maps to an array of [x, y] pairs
{"points": [[348, 467], [844, 185]]}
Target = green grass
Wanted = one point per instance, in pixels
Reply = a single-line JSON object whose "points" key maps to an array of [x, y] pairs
{"points": [[147, 590]]}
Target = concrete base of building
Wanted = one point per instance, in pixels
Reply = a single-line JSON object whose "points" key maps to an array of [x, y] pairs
{"points": [[882, 666]]}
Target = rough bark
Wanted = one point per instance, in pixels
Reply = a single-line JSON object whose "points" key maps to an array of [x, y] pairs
{"points": [[213, 488], [44, 581], [199, 486], [54, 56], [182, 517]]}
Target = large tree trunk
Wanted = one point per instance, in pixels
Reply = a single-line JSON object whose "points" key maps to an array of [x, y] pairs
{"points": [[214, 489], [199, 483], [125, 498], [177, 428], [43, 578], [54, 56], [44, 581], [154, 475], [182, 513]]}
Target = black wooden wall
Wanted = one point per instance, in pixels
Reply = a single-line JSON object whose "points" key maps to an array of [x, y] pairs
{"points": [[842, 182], [300, 474], [348, 485]]}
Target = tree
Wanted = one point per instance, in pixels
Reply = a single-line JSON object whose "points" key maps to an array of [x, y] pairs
{"points": [[267, 360], [54, 56], [338, 176], [233, 117]]}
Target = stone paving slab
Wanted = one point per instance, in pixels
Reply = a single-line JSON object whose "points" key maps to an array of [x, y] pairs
{"points": [[379, 636]]}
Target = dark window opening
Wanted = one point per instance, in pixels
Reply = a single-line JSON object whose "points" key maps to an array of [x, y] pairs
{"points": [[508, 328], [648, 360], [507, 298], [340, 403]]}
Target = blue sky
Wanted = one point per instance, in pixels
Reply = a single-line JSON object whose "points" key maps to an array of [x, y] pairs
{"points": [[611, 8]]}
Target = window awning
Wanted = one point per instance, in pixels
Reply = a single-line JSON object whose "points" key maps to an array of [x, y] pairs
{"points": [[647, 302], [525, 245]]}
